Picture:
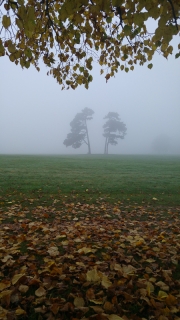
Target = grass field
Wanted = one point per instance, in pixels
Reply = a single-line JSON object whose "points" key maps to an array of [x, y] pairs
{"points": [[116, 178], [89, 238]]}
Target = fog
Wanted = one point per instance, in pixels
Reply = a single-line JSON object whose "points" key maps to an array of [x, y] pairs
{"points": [[35, 113]]}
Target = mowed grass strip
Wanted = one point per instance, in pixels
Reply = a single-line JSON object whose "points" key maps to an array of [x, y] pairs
{"points": [[139, 179]]}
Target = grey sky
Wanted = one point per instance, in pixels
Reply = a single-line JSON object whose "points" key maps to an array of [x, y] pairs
{"points": [[35, 113]]}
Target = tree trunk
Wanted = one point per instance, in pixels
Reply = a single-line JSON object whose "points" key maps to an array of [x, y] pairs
{"points": [[88, 142], [106, 145]]}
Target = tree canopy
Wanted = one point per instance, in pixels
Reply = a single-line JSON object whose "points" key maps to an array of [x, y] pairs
{"points": [[79, 131], [114, 129], [69, 35]]}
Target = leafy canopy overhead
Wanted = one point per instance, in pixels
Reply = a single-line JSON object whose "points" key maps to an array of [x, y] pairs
{"points": [[68, 35]]}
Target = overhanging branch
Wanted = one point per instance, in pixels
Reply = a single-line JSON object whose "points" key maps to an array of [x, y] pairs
{"points": [[174, 14]]}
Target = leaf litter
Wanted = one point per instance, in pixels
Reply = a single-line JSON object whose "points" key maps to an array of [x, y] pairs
{"points": [[89, 261]]}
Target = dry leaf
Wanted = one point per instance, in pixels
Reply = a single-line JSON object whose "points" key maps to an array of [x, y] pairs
{"points": [[17, 278], [79, 302], [20, 312], [92, 275], [40, 292], [114, 317]]}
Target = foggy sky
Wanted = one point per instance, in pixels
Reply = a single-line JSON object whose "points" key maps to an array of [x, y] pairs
{"points": [[35, 113]]}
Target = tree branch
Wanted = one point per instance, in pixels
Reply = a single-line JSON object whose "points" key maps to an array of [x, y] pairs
{"points": [[174, 14]]}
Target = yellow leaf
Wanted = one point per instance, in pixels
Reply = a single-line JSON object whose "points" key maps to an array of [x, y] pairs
{"points": [[93, 276], [150, 260], [114, 317], [4, 284], [162, 294], [20, 312], [17, 277], [6, 293], [65, 243], [106, 282], [97, 301], [129, 270], [86, 250], [139, 243]]}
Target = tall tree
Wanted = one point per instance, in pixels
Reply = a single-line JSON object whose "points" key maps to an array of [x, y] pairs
{"points": [[68, 35], [114, 129], [79, 130]]}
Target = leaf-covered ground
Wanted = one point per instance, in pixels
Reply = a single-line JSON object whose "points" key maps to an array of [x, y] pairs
{"points": [[89, 261]]}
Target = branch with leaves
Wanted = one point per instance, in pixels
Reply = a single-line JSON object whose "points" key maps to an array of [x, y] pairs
{"points": [[70, 35]]}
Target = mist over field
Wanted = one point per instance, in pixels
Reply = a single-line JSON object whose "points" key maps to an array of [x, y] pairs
{"points": [[35, 114]]}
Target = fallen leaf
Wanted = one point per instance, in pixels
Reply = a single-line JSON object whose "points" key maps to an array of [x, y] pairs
{"points": [[79, 302], [17, 278], [20, 312], [92, 275], [40, 292], [162, 294], [114, 317]]}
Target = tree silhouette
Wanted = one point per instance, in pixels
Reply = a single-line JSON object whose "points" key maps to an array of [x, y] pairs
{"points": [[114, 129], [79, 130]]}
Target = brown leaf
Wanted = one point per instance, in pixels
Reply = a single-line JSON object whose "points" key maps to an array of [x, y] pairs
{"points": [[40, 292], [108, 306], [55, 308], [79, 302], [23, 288], [97, 309], [4, 284], [68, 307], [90, 294], [171, 300]]}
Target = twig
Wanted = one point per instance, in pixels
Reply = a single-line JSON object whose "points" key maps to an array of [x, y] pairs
{"points": [[174, 14]]}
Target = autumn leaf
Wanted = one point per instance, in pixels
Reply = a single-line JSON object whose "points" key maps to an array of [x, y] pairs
{"points": [[20, 312], [114, 317], [23, 288], [162, 294], [171, 300], [106, 282], [17, 278], [40, 292], [79, 302], [92, 275]]}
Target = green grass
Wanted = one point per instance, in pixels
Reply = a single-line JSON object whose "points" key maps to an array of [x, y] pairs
{"points": [[129, 179]]}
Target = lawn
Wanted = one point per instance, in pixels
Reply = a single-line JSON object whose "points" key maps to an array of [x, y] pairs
{"points": [[116, 178], [89, 237]]}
